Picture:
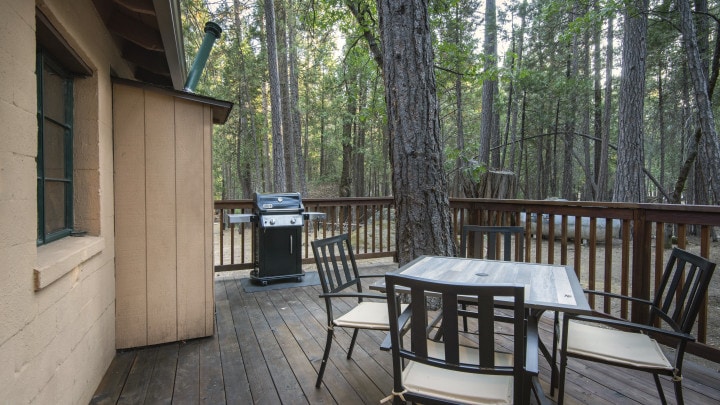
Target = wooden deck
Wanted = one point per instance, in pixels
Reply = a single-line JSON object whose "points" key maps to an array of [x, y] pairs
{"points": [[268, 345]]}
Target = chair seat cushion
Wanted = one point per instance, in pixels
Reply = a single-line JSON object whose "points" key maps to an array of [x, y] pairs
{"points": [[459, 387], [616, 346], [367, 315]]}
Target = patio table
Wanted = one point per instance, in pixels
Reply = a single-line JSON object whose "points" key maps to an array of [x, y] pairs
{"points": [[548, 287]]}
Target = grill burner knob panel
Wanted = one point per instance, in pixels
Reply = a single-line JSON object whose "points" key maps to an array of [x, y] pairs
{"points": [[281, 220]]}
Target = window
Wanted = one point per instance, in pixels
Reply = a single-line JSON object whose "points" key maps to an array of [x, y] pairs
{"points": [[55, 153]]}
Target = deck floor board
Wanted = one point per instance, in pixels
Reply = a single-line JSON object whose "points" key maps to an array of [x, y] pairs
{"points": [[268, 346]]}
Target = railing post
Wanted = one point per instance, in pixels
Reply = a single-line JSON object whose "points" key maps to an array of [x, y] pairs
{"points": [[640, 264]]}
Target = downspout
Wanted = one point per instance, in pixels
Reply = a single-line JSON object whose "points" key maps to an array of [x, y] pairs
{"points": [[212, 32]]}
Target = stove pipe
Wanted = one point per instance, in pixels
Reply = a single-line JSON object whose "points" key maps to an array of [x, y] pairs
{"points": [[212, 32]]}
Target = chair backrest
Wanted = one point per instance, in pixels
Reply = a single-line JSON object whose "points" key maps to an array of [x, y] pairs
{"points": [[682, 289], [420, 348], [474, 238], [335, 263]]}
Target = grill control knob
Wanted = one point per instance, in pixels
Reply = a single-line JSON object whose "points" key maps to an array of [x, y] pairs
{"points": [[292, 220], [272, 221]]}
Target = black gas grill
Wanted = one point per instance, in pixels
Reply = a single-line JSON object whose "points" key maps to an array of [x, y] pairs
{"points": [[277, 235]]}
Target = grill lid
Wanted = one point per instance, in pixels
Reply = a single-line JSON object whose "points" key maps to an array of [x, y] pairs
{"points": [[278, 203]]}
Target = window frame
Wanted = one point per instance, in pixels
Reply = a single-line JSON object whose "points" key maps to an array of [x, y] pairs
{"points": [[43, 61]]}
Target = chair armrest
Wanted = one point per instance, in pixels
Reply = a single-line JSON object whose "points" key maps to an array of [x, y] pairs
{"points": [[621, 324], [618, 296], [403, 324], [652, 307], [353, 295], [371, 276]]}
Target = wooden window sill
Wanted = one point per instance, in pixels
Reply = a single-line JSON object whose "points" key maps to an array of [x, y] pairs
{"points": [[58, 258]]}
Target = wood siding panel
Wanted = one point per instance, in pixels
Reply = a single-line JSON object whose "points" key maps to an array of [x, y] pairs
{"points": [[164, 218], [130, 216], [209, 207], [161, 233], [191, 216]]}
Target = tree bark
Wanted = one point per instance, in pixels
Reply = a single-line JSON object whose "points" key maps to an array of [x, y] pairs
{"points": [[597, 105], [247, 150], [460, 139], [711, 146], [359, 145], [288, 151], [489, 84], [295, 116], [566, 187], [347, 149], [630, 179], [602, 182], [424, 224], [279, 184]]}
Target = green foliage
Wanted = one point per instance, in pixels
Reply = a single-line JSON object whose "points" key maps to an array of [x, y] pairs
{"points": [[537, 96]]}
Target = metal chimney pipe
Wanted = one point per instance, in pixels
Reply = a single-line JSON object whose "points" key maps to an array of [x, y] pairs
{"points": [[212, 32]]}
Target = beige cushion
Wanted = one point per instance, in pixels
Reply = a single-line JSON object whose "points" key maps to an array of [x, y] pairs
{"points": [[367, 315], [463, 388], [627, 348]]}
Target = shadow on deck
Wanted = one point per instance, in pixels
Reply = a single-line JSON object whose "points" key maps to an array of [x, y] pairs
{"points": [[268, 345]]}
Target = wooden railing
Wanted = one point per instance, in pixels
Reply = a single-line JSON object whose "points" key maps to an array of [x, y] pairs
{"points": [[612, 246], [368, 220]]}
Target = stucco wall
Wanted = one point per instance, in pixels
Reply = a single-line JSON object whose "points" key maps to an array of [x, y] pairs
{"points": [[57, 302]]}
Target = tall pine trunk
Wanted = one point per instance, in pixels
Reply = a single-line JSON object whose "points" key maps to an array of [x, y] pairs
{"points": [[487, 118], [630, 180], [424, 224], [602, 182], [710, 146], [279, 184]]}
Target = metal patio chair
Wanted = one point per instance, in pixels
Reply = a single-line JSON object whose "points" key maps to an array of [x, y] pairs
{"points": [[339, 278], [463, 368], [621, 343], [498, 240]]}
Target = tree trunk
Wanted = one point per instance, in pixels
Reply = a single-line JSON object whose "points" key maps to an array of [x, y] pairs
{"points": [[275, 101], [288, 151], [246, 144], [661, 121], [295, 117], [691, 153], [710, 151], [552, 160], [630, 179], [459, 141], [347, 149], [359, 148], [424, 224], [597, 106], [588, 190], [459, 178], [489, 86], [602, 182], [566, 189]]}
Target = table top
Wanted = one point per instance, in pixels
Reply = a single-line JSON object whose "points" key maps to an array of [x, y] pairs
{"points": [[547, 286]]}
